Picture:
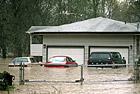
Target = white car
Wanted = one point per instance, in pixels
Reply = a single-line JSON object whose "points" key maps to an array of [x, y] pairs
{"points": [[27, 61]]}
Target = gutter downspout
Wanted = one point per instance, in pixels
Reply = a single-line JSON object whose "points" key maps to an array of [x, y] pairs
{"points": [[138, 24], [30, 42]]}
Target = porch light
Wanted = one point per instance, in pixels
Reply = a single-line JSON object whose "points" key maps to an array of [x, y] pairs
{"points": [[44, 46], [130, 46]]}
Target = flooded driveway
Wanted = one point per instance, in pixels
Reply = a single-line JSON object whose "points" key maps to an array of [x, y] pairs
{"points": [[93, 81]]}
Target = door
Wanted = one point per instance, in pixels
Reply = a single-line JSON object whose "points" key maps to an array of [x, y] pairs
{"points": [[123, 51], [76, 53]]}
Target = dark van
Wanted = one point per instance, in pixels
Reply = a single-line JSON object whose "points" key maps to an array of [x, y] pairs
{"points": [[100, 58]]}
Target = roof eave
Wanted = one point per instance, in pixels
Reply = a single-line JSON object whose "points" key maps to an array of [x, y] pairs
{"points": [[123, 33]]}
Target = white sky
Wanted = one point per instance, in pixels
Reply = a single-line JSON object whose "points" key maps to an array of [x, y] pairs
{"points": [[121, 0]]}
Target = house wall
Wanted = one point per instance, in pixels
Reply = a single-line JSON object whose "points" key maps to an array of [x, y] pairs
{"points": [[88, 40], [36, 49]]}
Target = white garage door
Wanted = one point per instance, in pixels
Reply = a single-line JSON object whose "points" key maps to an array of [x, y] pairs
{"points": [[123, 51], [76, 53]]}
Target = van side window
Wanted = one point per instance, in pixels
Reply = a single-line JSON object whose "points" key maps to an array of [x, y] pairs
{"points": [[119, 55], [115, 55], [100, 56]]}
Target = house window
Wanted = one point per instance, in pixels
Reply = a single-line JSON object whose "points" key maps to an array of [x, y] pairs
{"points": [[37, 39]]}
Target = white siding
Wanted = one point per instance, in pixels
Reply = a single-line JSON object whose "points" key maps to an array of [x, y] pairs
{"points": [[97, 40], [87, 40], [36, 49]]}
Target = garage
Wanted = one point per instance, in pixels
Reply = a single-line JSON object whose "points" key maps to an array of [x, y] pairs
{"points": [[123, 50], [78, 39], [77, 53]]}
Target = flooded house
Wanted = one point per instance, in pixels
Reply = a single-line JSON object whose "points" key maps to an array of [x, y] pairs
{"points": [[79, 39]]}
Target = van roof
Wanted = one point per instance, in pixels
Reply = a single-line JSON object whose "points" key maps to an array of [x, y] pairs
{"points": [[104, 52]]}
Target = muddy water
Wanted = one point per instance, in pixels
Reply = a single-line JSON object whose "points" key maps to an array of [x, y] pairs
{"points": [[7, 60], [92, 84]]}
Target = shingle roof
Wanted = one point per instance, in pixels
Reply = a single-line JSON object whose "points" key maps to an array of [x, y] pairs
{"points": [[99, 24]]}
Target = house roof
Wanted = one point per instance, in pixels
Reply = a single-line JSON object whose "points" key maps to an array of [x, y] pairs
{"points": [[94, 25]]}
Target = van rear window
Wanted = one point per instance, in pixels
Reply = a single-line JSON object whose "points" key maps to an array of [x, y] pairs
{"points": [[100, 56], [19, 60]]}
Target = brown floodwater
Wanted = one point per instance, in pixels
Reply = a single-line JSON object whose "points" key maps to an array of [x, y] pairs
{"points": [[96, 81]]}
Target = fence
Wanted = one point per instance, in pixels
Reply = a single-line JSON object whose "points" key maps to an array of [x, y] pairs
{"points": [[22, 81], [81, 80], [136, 70]]}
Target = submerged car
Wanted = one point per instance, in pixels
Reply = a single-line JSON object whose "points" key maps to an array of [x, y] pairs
{"points": [[105, 58], [27, 61], [60, 61]]}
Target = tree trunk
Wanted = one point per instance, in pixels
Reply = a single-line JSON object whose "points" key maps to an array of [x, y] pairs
{"points": [[3, 52]]}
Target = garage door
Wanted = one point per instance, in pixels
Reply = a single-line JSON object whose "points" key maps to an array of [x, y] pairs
{"points": [[123, 51], [77, 53]]}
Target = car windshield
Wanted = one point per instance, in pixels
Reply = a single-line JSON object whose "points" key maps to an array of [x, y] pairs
{"points": [[33, 60], [100, 56], [57, 59], [19, 60]]}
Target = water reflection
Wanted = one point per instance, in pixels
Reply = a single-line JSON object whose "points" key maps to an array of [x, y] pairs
{"points": [[71, 74]]}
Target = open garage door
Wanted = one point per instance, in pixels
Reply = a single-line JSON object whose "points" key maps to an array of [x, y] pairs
{"points": [[77, 53], [123, 51]]}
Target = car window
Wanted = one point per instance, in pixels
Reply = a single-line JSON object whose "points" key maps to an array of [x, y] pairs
{"points": [[33, 60], [100, 56], [69, 59], [116, 55], [119, 55], [57, 59], [19, 60]]}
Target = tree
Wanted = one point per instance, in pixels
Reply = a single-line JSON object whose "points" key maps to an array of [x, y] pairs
{"points": [[4, 26], [134, 10], [17, 16]]}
